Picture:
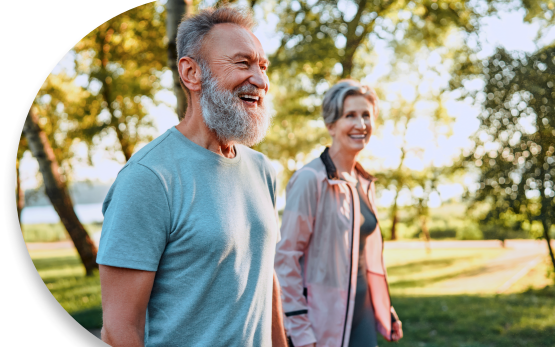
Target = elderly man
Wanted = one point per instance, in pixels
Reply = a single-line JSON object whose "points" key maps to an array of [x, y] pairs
{"points": [[190, 226]]}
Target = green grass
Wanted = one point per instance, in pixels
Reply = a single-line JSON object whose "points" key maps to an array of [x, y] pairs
{"points": [[51, 232], [523, 318], [432, 319], [526, 320], [64, 276]]}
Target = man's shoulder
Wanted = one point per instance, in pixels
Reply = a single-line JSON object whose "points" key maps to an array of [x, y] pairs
{"points": [[258, 159], [157, 151]]}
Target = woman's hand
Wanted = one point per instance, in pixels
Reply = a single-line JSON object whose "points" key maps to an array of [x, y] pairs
{"points": [[397, 332]]}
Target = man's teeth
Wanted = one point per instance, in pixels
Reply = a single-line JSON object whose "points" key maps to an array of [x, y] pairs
{"points": [[249, 97]]}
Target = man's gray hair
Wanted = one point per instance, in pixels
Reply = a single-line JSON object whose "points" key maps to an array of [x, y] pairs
{"points": [[192, 30], [332, 106]]}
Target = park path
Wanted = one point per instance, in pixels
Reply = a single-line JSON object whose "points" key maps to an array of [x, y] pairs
{"points": [[496, 275]]}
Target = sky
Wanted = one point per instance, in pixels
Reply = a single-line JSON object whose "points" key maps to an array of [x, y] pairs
{"points": [[507, 30]]}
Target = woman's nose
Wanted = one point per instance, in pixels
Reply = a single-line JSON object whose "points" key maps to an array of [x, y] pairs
{"points": [[360, 123]]}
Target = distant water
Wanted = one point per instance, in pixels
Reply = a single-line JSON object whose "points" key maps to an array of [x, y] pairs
{"points": [[87, 213]]}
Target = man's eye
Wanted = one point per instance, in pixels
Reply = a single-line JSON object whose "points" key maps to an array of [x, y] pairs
{"points": [[263, 67], [246, 63]]}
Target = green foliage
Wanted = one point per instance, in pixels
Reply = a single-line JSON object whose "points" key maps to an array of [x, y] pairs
{"points": [[470, 232], [515, 153], [123, 60], [324, 41], [66, 115], [443, 233], [449, 221]]}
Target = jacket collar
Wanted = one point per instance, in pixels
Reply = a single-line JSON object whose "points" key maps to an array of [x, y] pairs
{"points": [[331, 170]]}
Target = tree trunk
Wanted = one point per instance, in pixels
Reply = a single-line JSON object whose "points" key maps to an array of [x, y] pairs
{"points": [[546, 227], [57, 192], [19, 194], [175, 11], [426, 233], [394, 220]]}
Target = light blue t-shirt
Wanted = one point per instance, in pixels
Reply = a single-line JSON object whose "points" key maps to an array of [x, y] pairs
{"points": [[207, 225]]}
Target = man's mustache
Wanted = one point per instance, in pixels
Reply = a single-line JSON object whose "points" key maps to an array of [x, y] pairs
{"points": [[249, 89]]}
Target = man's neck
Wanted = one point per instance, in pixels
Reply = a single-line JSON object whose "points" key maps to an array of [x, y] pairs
{"points": [[192, 126]]}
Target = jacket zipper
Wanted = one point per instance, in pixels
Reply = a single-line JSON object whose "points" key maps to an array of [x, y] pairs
{"points": [[350, 267]]}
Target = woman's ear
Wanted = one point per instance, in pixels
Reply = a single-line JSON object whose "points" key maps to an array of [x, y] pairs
{"points": [[331, 129], [190, 73]]}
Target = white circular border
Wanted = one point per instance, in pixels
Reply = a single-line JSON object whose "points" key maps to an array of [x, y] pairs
{"points": [[34, 36]]}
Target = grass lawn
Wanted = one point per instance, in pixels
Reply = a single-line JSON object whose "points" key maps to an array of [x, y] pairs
{"points": [[51, 232], [525, 316], [526, 319], [64, 275]]}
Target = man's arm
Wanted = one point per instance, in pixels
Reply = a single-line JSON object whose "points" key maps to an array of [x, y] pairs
{"points": [[278, 331], [125, 295]]}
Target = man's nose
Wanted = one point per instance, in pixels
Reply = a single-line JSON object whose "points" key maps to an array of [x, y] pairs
{"points": [[259, 80]]}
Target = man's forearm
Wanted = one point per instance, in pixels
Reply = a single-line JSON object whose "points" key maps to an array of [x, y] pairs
{"points": [[125, 296], [128, 336], [278, 331]]}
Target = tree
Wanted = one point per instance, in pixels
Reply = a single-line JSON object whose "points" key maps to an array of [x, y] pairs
{"points": [[57, 192], [515, 146], [176, 10], [324, 41], [400, 177], [19, 193], [123, 60]]}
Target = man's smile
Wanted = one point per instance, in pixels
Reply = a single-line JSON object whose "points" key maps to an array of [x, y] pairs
{"points": [[250, 99]]}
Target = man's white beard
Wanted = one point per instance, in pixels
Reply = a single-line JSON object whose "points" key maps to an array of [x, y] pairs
{"points": [[224, 113]]}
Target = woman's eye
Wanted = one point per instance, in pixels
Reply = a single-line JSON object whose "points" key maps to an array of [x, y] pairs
{"points": [[366, 115]]}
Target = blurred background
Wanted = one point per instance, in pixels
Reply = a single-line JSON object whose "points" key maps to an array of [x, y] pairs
{"points": [[464, 147]]}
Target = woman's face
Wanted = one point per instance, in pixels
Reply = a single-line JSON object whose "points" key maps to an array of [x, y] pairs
{"points": [[351, 132]]}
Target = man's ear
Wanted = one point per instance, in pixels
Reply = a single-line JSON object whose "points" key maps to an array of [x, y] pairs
{"points": [[190, 73]]}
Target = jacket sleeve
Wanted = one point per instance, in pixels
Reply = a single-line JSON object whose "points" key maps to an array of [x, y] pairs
{"points": [[296, 229]]}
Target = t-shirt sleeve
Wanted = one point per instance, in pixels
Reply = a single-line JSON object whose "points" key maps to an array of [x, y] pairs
{"points": [[137, 221], [278, 238]]}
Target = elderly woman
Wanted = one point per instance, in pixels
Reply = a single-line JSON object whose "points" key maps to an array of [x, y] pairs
{"points": [[329, 261]]}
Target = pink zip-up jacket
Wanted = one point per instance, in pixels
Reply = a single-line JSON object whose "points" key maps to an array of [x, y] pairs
{"points": [[316, 260]]}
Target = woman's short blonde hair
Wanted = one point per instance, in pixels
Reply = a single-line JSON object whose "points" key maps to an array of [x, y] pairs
{"points": [[332, 106]]}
